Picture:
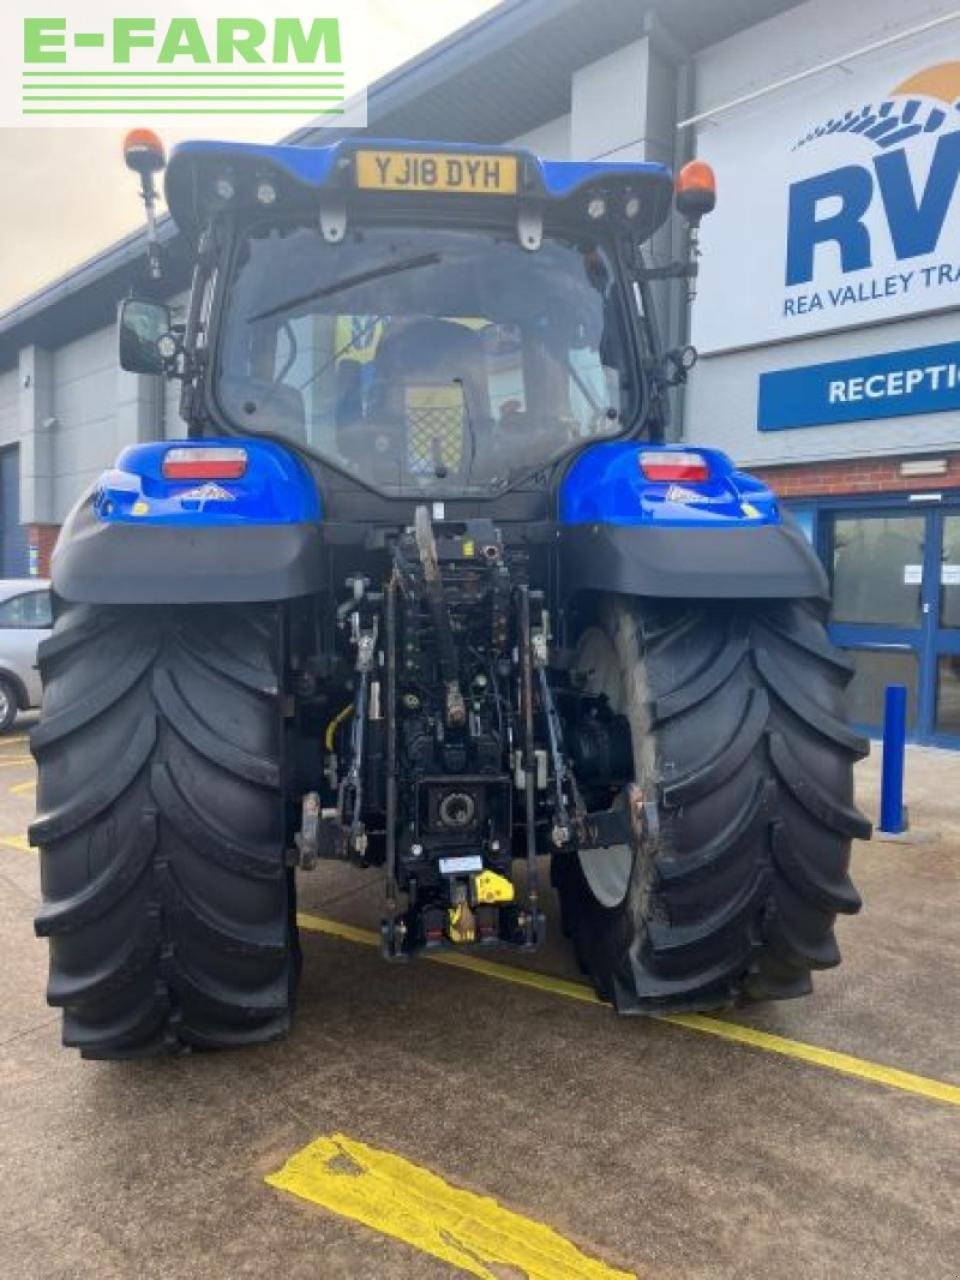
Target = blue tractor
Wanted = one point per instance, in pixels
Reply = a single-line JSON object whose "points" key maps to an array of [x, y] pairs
{"points": [[423, 589]]}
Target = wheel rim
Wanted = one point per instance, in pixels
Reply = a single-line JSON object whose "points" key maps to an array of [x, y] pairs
{"points": [[608, 872], [6, 705]]}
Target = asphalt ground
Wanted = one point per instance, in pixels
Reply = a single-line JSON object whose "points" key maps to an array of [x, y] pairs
{"points": [[660, 1149]]}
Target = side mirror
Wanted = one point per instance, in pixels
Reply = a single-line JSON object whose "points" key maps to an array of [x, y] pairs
{"points": [[146, 342]]}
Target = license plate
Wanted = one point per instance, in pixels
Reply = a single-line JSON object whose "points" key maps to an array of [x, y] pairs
{"points": [[463, 174], [457, 866]]}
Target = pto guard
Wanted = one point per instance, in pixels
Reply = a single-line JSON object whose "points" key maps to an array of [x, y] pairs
{"points": [[720, 538], [137, 537]]}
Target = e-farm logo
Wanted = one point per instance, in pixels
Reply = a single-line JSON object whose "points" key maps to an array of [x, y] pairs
{"points": [[893, 215], [99, 62]]}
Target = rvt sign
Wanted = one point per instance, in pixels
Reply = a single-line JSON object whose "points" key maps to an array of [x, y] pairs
{"points": [[854, 220], [830, 208], [891, 211]]}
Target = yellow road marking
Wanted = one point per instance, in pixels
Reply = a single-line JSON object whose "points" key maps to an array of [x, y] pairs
{"points": [[406, 1201], [9, 762], [845, 1063], [21, 788], [17, 842], [814, 1055]]}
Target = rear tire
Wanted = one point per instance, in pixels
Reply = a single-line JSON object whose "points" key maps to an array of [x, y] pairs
{"points": [[739, 731], [166, 899]]}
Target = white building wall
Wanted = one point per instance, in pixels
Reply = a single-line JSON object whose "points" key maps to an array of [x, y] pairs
{"points": [[624, 107], [721, 406], [84, 437], [721, 401], [550, 140]]}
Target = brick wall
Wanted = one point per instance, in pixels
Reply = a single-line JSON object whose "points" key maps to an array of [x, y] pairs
{"points": [[856, 475], [43, 537]]}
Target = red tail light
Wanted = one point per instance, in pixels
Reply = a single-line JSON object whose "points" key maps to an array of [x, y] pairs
{"points": [[204, 464], [668, 467]]}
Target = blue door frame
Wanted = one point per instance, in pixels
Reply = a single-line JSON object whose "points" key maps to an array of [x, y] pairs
{"points": [[929, 641]]}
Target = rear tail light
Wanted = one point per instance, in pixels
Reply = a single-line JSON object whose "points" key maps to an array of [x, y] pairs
{"points": [[204, 464], [669, 467]]}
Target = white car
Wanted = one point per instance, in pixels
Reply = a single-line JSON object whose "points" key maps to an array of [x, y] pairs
{"points": [[26, 616]]}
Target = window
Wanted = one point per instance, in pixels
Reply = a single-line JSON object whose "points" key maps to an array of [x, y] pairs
{"points": [[29, 611], [424, 360], [877, 566], [950, 573]]}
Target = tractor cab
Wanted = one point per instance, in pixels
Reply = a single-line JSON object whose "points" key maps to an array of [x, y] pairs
{"points": [[426, 322]]}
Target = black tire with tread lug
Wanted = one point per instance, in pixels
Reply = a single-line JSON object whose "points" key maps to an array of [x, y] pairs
{"points": [[166, 899], [737, 713]]}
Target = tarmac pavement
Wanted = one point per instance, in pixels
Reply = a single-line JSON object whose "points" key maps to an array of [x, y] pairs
{"points": [[654, 1148]]}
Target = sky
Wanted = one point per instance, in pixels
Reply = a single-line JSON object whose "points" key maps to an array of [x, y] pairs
{"points": [[67, 193]]}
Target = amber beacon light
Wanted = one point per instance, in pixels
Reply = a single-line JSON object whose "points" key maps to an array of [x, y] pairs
{"points": [[143, 153], [696, 188]]}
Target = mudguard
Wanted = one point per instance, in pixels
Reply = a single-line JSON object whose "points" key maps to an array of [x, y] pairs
{"points": [[138, 537], [724, 537]]}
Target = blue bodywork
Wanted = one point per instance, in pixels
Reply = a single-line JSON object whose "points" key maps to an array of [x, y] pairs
{"points": [[276, 489], [314, 165], [606, 486], [313, 169]]}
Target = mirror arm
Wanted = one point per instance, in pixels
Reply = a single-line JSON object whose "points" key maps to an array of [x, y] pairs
{"points": [[670, 271]]}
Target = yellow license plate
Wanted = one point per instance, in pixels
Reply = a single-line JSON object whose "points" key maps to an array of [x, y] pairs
{"points": [[462, 173]]}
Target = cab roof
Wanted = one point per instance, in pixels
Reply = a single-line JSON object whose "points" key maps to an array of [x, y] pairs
{"points": [[301, 172]]}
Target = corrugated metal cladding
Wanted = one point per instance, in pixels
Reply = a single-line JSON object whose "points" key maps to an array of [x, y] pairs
{"points": [[13, 539]]}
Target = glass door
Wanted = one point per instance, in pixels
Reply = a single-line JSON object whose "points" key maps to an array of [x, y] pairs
{"points": [[946, 640], [896, 606], [877, 570]]}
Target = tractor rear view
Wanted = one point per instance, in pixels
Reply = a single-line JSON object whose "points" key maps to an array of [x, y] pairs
{"points": [[424, 590]]}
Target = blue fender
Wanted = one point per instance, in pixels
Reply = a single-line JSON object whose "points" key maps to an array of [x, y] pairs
{"points": [[139, 537], [275, 488], [722, 537]]}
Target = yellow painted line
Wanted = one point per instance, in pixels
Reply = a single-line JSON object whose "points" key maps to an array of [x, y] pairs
{"points": [[21, 788], [9, 762], [737, 1033], [403, 1200], [845, 1063], [17, 842]]}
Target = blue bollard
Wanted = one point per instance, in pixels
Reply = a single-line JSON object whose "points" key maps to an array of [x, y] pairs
{"points": [[892, 814]]}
